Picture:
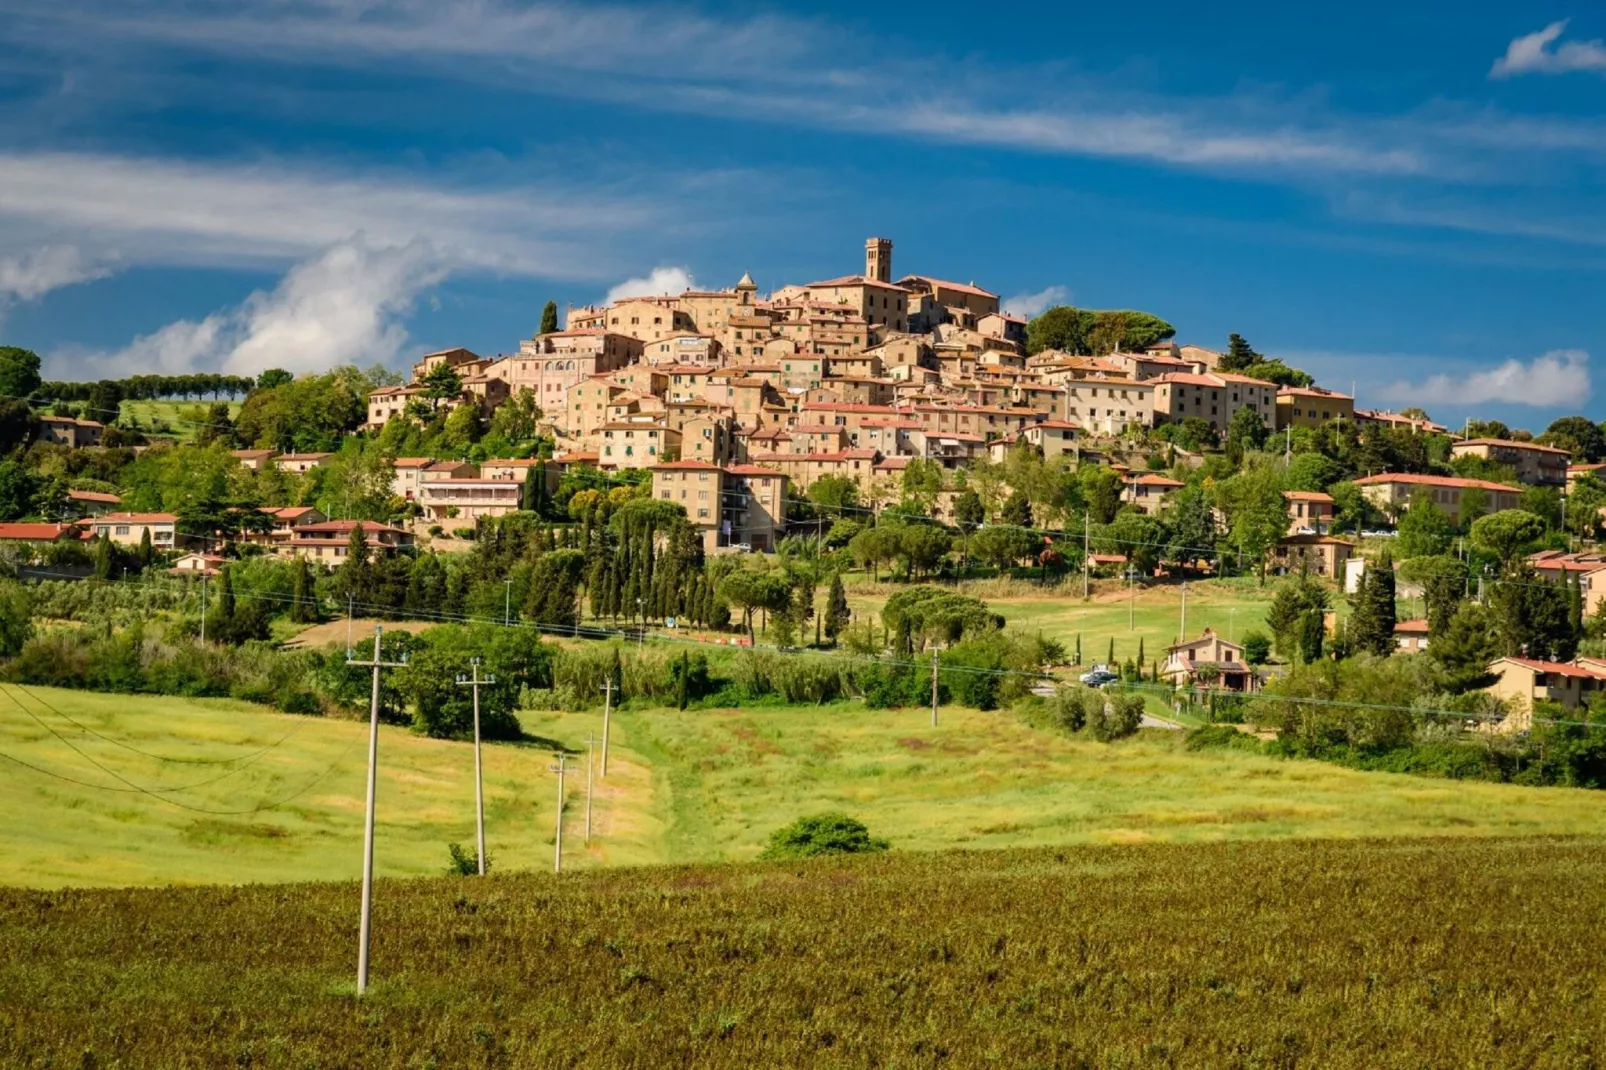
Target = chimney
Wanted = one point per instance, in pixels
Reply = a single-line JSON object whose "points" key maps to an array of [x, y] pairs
{"points": [[878, 259]]}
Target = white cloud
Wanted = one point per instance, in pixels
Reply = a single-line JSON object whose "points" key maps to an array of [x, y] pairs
{"points": [[34, 274], [344, 306], [1029, 305], [1553, 380], [1532, 54], [163, 210], [777, 69], [341, 308], [660, 280]]}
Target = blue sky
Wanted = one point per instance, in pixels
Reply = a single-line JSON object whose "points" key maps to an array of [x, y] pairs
{"points": [[1384, 194]]}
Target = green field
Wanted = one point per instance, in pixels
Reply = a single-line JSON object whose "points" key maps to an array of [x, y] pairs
{"points": [[1115, 611], [1355, 955], [688, 786], [169, 418]]}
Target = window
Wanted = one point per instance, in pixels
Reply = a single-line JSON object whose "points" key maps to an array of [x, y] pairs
{"points": [[122, 529]]}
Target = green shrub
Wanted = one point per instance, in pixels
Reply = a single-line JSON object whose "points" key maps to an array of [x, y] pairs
{"points": [[1114, 715], [1219, 735], [465, 863], [822, 834]]}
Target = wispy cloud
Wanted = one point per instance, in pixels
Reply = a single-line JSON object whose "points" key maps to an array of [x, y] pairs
{"points": [[35, 273], [1533, 54], [1029, 305], [660, 280], [795, 70], [1553, 380], [177, 211], [343, 306]]}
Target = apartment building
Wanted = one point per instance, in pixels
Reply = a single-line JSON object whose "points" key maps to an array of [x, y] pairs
{"points": [[329, 541], [738, 505], [1310, 406], [1535, 465], [649, 319], [1108, 406], [129, 529], [1214, 397], [550, 364], [458, 359], [1309, 512], [385, 403], [636, 445], [1391, 492], [469, 497], [299, 464]]}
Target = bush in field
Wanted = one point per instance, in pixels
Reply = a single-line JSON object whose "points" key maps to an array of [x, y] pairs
{"points": [[1067, 708], [822, 834], [465, 863], [1114, 715]]}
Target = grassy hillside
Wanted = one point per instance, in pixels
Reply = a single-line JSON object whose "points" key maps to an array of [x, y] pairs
{"points": [[1232, 607], [176, 419], [1363, 955], [693, 786]]}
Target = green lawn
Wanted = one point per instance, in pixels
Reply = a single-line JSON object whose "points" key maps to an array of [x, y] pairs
{"points": [[694, 786], [1152, 614], [174, 418]]}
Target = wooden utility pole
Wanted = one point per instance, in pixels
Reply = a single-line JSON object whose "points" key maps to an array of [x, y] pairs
{"points": [[589, 766], [203, 610], [1087, 531], [934, 687], [607, 713], [476, 683], [1183, 638], [557, 842], [368, 825]]}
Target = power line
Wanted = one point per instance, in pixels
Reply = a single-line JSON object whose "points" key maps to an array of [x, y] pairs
{"points": [[159, 795], [148, 754]]}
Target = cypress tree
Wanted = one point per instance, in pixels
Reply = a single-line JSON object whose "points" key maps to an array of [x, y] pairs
{"points": [[1371, 623], [147, 553], [1078, 648], [837, 613], [1575, 607], [300, 609], [1110, 658], [1141, 658], [103, 558], [549, 317], [225, 595]]}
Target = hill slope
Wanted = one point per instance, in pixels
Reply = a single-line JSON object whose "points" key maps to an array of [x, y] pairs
{"points": [[699, 785]]}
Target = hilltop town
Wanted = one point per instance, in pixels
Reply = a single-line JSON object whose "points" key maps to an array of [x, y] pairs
{"points": [[673, 443]]}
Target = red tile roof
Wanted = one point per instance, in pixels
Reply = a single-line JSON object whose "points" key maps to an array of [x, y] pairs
{"points": [[1415, 479], [1560, 668], [686, 466], [1509, 444], [33, 532]]}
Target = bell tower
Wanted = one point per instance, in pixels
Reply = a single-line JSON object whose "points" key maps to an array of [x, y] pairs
{"points": [[878, 259]]}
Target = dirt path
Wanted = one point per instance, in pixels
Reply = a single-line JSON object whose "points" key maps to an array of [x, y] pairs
{"points": [[334, 632]]}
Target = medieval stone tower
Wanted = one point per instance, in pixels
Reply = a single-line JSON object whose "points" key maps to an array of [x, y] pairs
{"points": [[878, 259]]}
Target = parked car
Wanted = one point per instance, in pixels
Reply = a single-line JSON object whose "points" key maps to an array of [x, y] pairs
{"points": [[1098, 676]]}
